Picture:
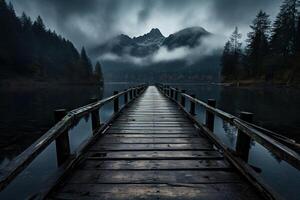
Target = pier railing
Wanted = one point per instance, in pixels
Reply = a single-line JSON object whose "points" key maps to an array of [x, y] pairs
{"points": [[247, 132], [59, 133]]}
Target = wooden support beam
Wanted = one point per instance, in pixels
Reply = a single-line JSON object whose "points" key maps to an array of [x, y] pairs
{"points": [[116, 102], [62, 141], [244, 140], [131, 94], [210, 117], [95, 116], [193, 106], [125, 97], [176, 94], [182, 102], [171, 93]]}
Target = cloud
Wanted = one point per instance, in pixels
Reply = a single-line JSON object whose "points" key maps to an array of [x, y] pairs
{"points": [[93, 21], [210, 45], [126, 59]]}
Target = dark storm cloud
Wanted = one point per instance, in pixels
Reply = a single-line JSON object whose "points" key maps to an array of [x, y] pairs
{"points": [[236, 11], [91, 22]]}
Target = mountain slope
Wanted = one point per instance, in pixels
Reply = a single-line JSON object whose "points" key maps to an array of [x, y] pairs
{"points": [[189, 37], [152, 57], [138, 46], [151, 42], [154, 37]]}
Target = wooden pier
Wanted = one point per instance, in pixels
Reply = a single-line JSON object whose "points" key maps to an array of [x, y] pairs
{"points": [[152, 151], [152, 148]]}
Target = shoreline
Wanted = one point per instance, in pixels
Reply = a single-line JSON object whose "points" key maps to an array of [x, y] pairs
{"points": [[258, 83], [31, 83]]}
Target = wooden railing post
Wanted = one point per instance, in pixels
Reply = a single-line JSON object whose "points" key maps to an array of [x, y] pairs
{"points": [[168, 91], [193, 106], [125, 97], [95, 116], [182, 102], [172, 93], [131, 94], [176, 94], [116, 102], [210, 118], [243, 140], [62, 141]]}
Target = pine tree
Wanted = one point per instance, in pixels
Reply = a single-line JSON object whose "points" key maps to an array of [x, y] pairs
{"points": [[98, 72], [258, 44], [27, 48], [236, 43], [235, 40], [226, 61], [39, 26], [298, 35], [283, 40], [231, 57], [9, 35], [86, 64]]}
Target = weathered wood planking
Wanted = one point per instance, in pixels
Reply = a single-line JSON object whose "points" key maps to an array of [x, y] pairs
{"points": [[152, 151]]}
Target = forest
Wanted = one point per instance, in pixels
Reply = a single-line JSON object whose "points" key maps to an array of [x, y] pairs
{"points": [[272, 50], [30, 51]]}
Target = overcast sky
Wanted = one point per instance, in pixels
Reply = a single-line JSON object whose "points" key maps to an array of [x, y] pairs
{"points": [[90, 22]]}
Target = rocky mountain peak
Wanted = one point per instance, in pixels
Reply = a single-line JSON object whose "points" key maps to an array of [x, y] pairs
{"points": [[153, 37]]}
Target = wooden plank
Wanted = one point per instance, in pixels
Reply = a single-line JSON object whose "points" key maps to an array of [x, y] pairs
{"points": [[184, 129], [132, 119], [127, 147], [151, 124], [152, 131], [153, 176], [155, 155], [155, 165], [232, 191], [152, 135], [107, 140]]}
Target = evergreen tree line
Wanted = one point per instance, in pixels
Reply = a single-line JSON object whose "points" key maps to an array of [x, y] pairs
{"points": [[29, 49], [272, 51]]}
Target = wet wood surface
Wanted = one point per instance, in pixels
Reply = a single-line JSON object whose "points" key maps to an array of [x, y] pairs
{"points": [[152, 151]]}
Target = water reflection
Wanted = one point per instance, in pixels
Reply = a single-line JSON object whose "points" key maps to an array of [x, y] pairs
{"points": [[276, 108], [27, 113], [80, 132], [37, 174], [277, 173], [34, 177], [280, 175]]}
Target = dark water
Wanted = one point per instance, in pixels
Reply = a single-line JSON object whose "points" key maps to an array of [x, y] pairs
{"points": [[27, 113], [275, 108]]}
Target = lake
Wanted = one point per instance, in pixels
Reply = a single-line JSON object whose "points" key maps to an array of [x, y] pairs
{"points": [[27, 113], [275, 108]]}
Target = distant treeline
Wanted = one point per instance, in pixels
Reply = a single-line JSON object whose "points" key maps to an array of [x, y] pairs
{"points": [[29, 50], [203, 70], [272, 52]]}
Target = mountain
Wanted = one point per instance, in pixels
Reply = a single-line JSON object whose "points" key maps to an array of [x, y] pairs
{"points": [[151, 42], [138, 46], [154, 37], [189, 37], [155, 58]]}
